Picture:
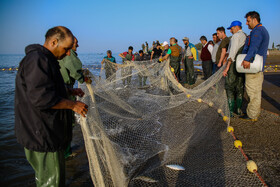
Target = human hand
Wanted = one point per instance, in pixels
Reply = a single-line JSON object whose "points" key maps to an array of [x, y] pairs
{"points": [[190, 57], [246, 64], [219, 65], [88, 80], [77, 91], [80, 108], [225, 72]]}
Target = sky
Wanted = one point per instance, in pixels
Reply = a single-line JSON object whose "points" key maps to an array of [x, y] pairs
{"points": [[101, 25]]}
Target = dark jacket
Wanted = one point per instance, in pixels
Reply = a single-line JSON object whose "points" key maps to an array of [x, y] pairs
{"points": [[39, 86], [256, 43], [205, 54]]}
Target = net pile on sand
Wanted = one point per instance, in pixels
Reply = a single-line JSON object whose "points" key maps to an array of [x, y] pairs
{"points": [[160, 134]]}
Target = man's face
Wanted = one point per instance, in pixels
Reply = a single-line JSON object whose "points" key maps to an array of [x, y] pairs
{"points": [[75, 45], [141, 54], [234, 29], [220, 34], [250, 22], [166, 47], [202, 42], [186, 42], [158, 46], [109, 55], [215, 38], [63, 47], [130, 50]]}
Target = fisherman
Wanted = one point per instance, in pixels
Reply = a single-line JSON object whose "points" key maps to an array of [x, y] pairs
{"points": [[174, 52], [141, 76], [223, 47], [165, 46], [71, 70], [156, 53], [234, 81], [190, 54], [127, 71], [256, 43], [217, 43], [43, 117], [110, 65], [206, 57]]}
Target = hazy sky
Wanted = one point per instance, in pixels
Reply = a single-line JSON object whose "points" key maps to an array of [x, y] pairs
{"points": [[100, 25]]}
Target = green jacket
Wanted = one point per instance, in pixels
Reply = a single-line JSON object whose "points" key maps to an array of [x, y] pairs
{"points": [[71, 69]]}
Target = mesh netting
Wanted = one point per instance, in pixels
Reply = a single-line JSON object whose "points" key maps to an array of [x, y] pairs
{"points": [[158, 133]]}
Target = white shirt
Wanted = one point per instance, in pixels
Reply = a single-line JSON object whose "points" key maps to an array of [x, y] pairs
{"points": [[236, 42], [210, 47], [214, 52]]}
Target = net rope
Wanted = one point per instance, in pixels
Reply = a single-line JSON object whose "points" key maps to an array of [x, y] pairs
{"points": [[159, 133]]}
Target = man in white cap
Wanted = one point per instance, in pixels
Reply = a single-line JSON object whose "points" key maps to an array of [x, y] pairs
{"points": [[234, 80], [165, 45], [190, 54]]}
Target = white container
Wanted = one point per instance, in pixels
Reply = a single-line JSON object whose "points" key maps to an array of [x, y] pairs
{"points": [[255, 67]]}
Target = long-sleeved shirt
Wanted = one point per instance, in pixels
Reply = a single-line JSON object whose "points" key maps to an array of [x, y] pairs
{"points": [[71, 69], [236, 42], [214, 52], [256, 43], [190, 50]]}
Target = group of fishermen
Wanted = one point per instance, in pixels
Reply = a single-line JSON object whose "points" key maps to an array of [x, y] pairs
{"points": [[45, 98]]}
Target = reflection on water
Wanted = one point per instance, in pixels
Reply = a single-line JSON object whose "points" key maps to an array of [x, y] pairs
{"points": [[15, 170]]}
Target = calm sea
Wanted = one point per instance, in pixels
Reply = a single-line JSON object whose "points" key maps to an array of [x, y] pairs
{"points": [[14, 169]]}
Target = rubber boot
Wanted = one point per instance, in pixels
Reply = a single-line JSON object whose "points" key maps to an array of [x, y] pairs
{"points": [[238, 106], [231, 106]]}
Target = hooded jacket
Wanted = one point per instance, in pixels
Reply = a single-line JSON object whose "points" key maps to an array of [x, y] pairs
{"points": [[40, 86]]}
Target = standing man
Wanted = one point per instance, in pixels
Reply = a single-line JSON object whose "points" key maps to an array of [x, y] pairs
{"points": [[256, 43], [43, 118], [234, 81], [206, 57], [156, 53], [190, 55], [141, 76], [174, 52], [165, 45], [223, 47], [71, 70], [217, 43], [127, 71], [110, 65]]}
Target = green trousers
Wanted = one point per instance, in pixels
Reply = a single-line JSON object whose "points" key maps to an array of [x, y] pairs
{"points": [[176, 66], [234, 88], [189, 70], [49, 167]]}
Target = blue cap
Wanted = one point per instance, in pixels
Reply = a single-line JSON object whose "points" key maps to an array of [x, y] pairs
{"points": [[235, 23]]}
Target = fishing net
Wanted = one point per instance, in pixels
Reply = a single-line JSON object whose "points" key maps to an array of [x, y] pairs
{"points": [[157, 132]]}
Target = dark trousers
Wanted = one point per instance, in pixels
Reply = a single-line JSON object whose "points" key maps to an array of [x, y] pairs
{"points": [[234, 83], [189, 70], [176, 66], [207, 68]]}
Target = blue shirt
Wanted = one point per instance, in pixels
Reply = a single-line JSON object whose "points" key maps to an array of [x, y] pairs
{"points": [[256, 43], [112, 59]]}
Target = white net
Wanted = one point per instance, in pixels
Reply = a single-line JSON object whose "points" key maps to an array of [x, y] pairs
{"points": [[144, 128]]}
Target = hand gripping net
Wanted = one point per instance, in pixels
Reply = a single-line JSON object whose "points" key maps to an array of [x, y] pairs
{"points": [[133, 131]]}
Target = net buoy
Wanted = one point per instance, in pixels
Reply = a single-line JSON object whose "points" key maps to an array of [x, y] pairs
{"points": [[188, 95], [211, 104], [199, 100], [225, 118], [230, 129], [172, 69], [219, 110], [237, 143], [252, 166]]}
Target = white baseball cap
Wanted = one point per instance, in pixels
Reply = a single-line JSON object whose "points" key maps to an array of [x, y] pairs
{"points": [[165, 43]]}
